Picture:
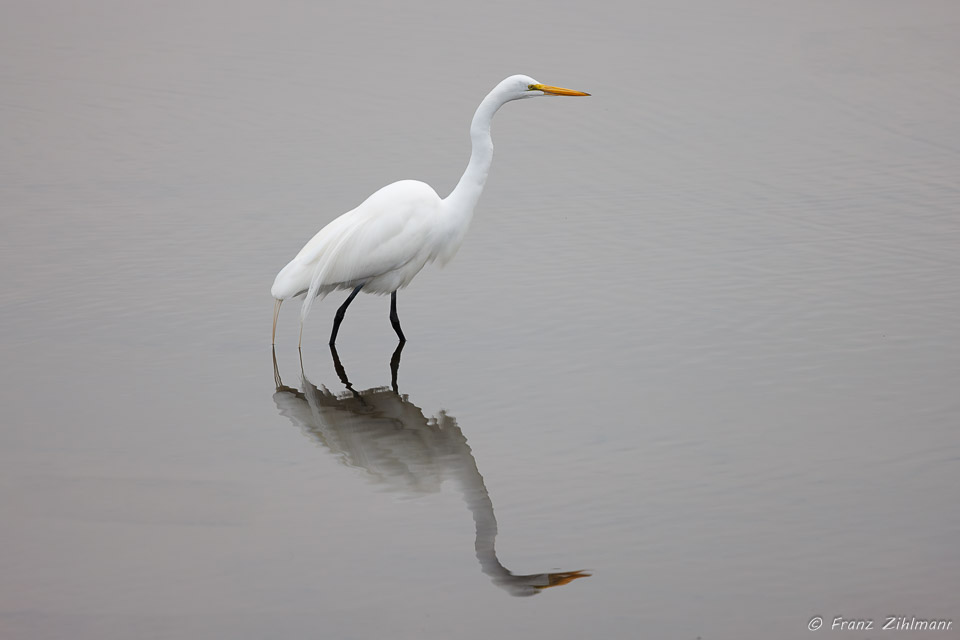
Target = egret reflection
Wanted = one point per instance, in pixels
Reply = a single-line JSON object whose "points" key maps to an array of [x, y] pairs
{"points": [[382, 432]]}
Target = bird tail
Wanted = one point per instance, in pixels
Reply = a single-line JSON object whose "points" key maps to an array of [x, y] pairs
{"points": [[314, 291], [320, 278]]}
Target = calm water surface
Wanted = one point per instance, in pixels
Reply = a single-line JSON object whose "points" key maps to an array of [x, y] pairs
{"points": [[693, 373]]}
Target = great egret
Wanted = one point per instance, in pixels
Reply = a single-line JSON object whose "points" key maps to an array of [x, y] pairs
{"points": [[382, 244]]}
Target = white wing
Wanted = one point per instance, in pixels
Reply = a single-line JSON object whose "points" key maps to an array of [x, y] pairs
{"points": [[392, 231]]}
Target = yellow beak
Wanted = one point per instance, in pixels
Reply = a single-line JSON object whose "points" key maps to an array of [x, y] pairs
{"points": [[557, 91]]}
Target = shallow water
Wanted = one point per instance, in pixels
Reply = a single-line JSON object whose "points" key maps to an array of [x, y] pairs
{"points": [[701, 342]]}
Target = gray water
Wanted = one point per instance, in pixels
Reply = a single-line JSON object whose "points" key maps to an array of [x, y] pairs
{"points": [[701, 344]]}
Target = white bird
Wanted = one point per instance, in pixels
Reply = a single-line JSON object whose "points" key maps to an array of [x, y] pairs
{"points": [[382, 244]]}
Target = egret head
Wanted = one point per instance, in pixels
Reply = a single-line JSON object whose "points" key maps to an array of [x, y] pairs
{"points": [[519, 87]]}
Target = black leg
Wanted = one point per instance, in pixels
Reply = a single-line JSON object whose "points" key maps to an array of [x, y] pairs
{"points": [[338, 318], [394, 320], [338, 366]]}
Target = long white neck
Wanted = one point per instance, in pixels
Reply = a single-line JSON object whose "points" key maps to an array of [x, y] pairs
{"points": [[465, 195]]}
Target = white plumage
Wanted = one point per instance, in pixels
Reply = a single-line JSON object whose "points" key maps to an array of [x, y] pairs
{"points": [[380, 246]]}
